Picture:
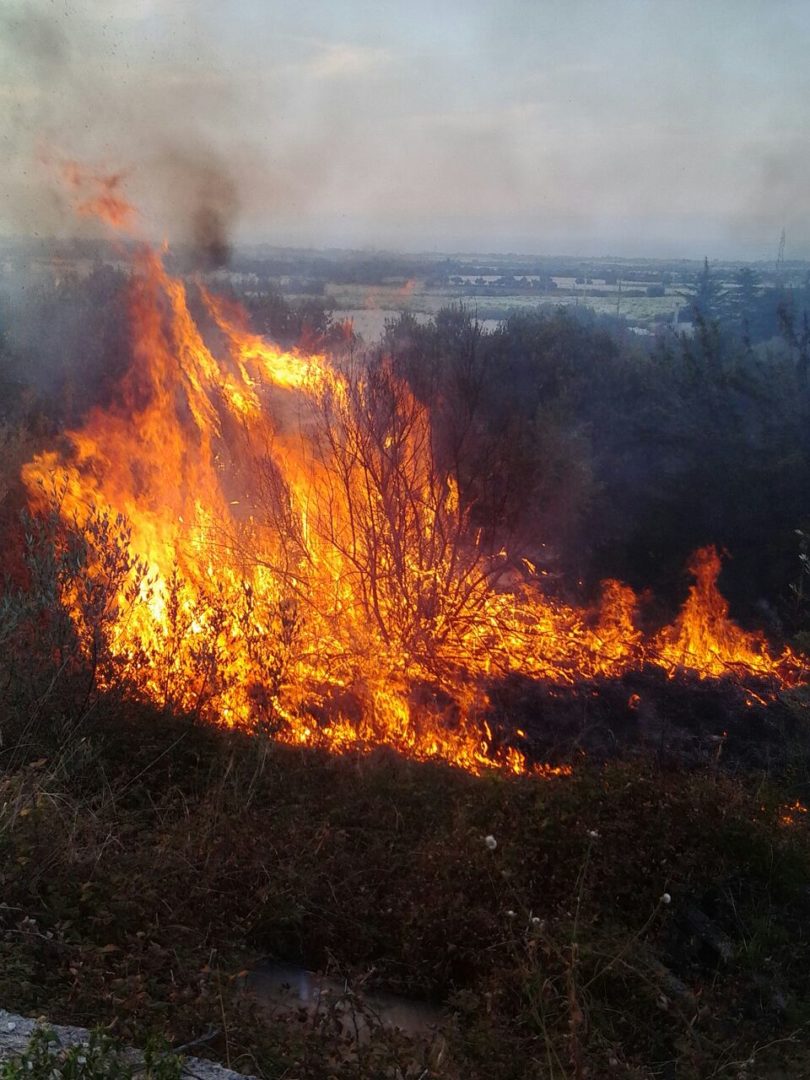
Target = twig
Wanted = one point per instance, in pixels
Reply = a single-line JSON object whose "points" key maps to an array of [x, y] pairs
{"points": [[209, 1036]]}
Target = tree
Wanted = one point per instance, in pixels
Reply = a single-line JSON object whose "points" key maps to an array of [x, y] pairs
{"points": [[749, 290], [796, 333], [708, 294]]}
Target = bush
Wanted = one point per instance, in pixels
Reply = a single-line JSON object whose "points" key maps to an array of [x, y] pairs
{"points": [[101, 1058]]}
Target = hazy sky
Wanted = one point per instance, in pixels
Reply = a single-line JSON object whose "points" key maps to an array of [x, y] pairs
{"points": [[638, 127]]}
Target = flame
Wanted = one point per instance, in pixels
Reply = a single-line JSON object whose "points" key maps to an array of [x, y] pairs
{"points": [[294, 557], [703, 637], [99, 196]]}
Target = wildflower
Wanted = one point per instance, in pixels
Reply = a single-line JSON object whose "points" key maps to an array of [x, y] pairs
{"points": [[666, 898], [594, 835], [511, 914], [535, 920], [491, 842]]}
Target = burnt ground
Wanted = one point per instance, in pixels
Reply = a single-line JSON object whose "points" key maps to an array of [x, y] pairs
{"points": [[682, 721]]}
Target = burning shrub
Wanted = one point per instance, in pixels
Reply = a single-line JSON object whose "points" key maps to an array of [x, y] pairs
{"points": [[272, 537], [62, 626]]}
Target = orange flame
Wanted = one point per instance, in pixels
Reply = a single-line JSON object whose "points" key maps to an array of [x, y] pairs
{"points": [[703, 637], [298, 560], [99, 196]]}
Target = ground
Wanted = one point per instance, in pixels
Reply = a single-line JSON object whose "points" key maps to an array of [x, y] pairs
{"points": [[640, 918]]}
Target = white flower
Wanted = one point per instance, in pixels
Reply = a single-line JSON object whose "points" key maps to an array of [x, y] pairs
{"points": [[594, 835], [491, 842], [535, 920], [511, 914], [666, 898]]}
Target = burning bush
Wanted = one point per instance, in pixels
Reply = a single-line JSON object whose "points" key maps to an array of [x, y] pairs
{"points": [[269, 537]]}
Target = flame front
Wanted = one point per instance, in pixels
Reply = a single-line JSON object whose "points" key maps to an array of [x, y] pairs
{"points": [[299, 560]]}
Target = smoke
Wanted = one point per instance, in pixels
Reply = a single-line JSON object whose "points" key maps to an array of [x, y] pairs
{"points": [[204, 199], [75, 95], [210, 235], [43, 42], [222, 132]]}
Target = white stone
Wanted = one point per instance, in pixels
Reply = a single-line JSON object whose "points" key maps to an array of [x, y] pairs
{"points": [[15, 1032]]}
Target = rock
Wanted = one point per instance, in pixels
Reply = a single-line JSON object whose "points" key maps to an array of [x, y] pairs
{"points": [[709, 933], [16, 1031]]}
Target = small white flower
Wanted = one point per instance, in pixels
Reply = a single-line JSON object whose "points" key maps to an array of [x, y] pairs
{"points": [[594, 835], [491, 842], [535, 920], [666, 898], [511, 914]]}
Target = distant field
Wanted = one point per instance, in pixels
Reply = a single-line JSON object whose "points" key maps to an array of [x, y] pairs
{"points": [[369, 323], [370, 306], [371, 287]]}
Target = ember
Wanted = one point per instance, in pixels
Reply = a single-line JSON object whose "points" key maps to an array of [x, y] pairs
{"points": [[790, 815]]}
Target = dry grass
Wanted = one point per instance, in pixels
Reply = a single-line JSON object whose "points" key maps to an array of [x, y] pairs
{"points": [[147, 861]]}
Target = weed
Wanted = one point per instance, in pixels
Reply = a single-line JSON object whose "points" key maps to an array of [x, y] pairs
{"points": [[101, 1058]]}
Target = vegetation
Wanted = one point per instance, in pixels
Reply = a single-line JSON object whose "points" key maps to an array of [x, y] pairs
{"points": [[611, 459], [636, 919], [605, 454], [639, 919], [99, 1059], [147, 861]]}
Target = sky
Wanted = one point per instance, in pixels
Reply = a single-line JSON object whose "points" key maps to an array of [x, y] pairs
{"points": [[660, 128]]}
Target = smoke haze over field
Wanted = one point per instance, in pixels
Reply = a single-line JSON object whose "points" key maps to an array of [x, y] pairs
{"points": [[623, 127]]}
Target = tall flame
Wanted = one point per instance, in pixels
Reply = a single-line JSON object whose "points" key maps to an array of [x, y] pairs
{"points": [[298, 558]]}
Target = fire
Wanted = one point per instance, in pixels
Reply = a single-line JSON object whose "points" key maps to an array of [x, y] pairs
{"points": [[703, 636], [291, 555], [791, 813], [99, 196]]}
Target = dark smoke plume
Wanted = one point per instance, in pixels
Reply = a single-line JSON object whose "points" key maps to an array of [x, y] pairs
{"points": [[214, 203]]}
